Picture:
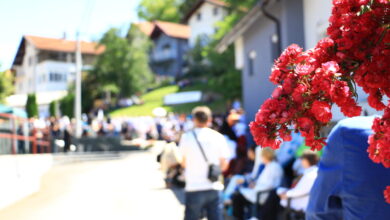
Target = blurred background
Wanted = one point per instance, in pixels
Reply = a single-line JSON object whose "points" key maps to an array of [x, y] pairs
{"points": [[91, 91]]}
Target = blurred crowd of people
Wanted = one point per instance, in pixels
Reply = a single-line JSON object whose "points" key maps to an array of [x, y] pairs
{"points": [[253, 176], [56, 134], [257, 182], [276, 182]]}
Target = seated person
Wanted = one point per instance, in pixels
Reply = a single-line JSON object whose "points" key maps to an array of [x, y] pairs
{"points": [[286, 155], [349, 185], [300, 190], [269, 179], [239, 165], [297, 165], [246, 178]]}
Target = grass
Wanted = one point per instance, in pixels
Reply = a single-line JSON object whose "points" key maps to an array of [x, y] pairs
{"points": [[155, 99]]}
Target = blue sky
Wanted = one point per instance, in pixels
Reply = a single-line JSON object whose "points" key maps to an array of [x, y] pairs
{"points": [[52, 18]]}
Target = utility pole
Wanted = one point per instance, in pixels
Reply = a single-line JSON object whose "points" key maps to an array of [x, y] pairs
{"points": [[78, 87]]}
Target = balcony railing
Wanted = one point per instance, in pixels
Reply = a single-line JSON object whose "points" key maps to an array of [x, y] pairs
{"points": [[158, 56]]}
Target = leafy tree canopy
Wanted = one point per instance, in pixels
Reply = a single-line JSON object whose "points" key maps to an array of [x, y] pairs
{"points": [[122, 70], [123, 67], [32, 106], [165, 10], [219, 68], [6, 84]]}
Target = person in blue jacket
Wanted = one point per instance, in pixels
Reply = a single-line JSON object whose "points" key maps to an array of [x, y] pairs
{"points": [[349, 185]]}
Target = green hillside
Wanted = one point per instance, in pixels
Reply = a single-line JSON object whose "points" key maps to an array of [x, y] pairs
{"points": [[155, 99]]}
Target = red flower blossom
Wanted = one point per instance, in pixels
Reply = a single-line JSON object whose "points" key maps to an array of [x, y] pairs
{"points": [[304, 69], [356, 52], [331, 67], [306, 125], [322, 111], [387, 194]]}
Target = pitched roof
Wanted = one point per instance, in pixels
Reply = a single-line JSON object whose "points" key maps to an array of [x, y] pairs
{"points": [[200, 3], [145, 27], [172, 29], [241, 27], [55, 44]]}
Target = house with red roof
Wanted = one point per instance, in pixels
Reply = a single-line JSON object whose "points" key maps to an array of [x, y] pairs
{"points": [[145, 27], [45, 64], [168, 55]]}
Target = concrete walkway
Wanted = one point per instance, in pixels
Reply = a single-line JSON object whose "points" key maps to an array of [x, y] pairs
{"points": [[131, 188]]}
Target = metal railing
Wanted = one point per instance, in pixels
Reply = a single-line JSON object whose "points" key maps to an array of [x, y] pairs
{"points": [[10, 138]]}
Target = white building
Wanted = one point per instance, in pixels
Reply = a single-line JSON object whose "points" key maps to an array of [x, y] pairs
{"points": [[47, 64], [202, 18], [316, 14], [46, 67]]}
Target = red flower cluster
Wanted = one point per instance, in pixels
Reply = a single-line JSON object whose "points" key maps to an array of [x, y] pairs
{"points": [[308, 85], [387, 194], [309, 82], [379, 149], [360, 30]]}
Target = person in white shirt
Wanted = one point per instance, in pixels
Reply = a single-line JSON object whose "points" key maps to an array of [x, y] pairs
{"points": [[299, 193], [269, 179], [201, 193]]}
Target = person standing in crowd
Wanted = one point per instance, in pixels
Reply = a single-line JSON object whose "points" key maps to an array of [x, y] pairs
{"points": [[55, 133], [21, 147], [201, 192], [67, 138], [298, 194]]}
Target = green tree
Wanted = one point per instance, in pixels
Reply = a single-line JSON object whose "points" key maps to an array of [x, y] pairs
{"points": [[241, 5], [140, 72], [198, 66], [53, 108], [6, 84], [165, 10], [186, 6], [226, 78], [67, 105], [123, 69], [32, 106], [219, 68], [233, 6]]}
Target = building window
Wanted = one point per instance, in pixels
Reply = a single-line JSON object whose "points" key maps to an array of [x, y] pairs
{"points": [[53, 56], [57, 77], [199, 16], [72, 58], [215, 11], [251, 62], [62, 56], [166, 47], [30, 60]]}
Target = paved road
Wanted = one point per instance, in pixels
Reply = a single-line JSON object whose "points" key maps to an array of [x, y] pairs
{"points": [[128, 189]]}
